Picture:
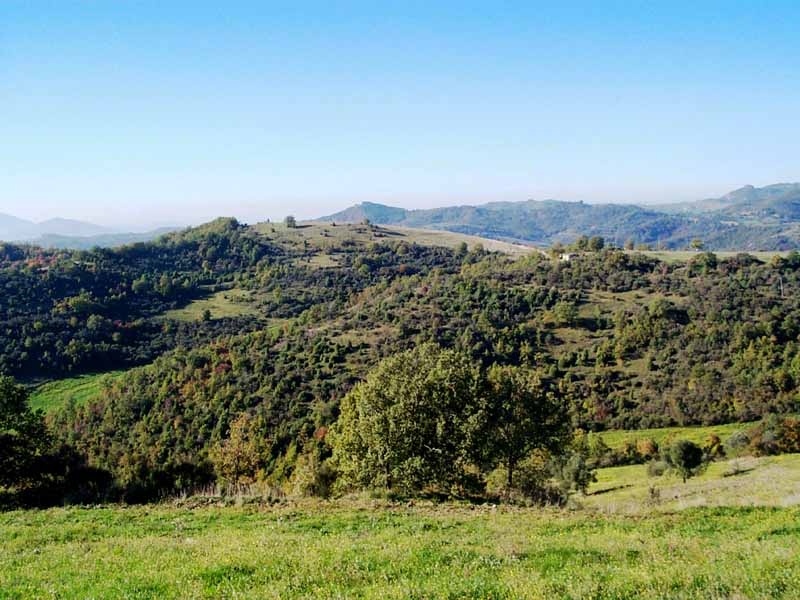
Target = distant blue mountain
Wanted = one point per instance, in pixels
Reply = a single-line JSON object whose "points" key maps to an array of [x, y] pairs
{"points": [[14, 229], [67, 233]]}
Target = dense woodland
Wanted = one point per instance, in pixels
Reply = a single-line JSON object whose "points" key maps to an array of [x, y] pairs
{"points": [[620, 340]]}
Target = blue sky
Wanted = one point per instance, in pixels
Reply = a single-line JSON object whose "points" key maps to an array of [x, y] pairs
{"points": [[143, 113]]}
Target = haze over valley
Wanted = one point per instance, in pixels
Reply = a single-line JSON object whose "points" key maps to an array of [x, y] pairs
{"points": [[745, 219]]}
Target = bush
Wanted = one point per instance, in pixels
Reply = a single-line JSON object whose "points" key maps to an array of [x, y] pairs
{"points": [[713, 448], [657, 468], [571, 473], [738, 440], [312, 476], [647, 448], [532, 483], [789, 435], [686, 458]]}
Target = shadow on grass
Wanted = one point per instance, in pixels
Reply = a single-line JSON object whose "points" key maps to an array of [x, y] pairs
{"points": [[611, 489], [738, 472]]}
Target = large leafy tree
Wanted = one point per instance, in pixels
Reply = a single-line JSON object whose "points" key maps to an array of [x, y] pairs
{"points": [[415, 423], [24, 439], [524, 415]]}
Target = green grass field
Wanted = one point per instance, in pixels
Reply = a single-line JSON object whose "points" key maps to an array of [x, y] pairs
{"points": [[746, 481], [226, 303], [698, 435], [615, 545], [442, 552], [50, 396]]}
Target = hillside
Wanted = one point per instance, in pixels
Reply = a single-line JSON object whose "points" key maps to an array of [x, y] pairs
{"points": [[779, 201], [746, 219], [269, 327]]}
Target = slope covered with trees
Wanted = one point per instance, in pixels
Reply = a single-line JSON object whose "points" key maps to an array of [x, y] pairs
{"points": [[620, 340]]}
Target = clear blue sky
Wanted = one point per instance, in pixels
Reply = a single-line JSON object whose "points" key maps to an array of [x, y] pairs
{"points": [[174, 112]]}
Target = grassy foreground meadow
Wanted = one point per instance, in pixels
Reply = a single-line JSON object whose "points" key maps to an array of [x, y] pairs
{"points": [[398, 552], [362, 548]]}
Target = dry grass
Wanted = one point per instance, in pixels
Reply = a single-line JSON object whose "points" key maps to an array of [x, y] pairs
{"points": [[767, 481]]}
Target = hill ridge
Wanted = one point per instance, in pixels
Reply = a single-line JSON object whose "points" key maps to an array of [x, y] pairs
{"points": [[748, 218]]}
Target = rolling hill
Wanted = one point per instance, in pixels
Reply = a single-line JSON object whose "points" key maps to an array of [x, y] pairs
{"points": [[749, 218]]}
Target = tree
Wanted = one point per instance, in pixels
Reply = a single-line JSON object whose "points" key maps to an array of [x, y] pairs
{"points": [[697, 244], [415, 422], [629, 244], [239, 458], [524, 416], [24, 438], [206, 316], [686, 457], [290, 222], [565, 312], [596, 243]]}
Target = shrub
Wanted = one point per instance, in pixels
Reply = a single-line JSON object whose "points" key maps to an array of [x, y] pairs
{"points": [[789, 435], [599, 452], [647, 448], [738, 440], [312, 476], [686, 458], [656, 468], [532, 482], [713, 448], [571, 473]]}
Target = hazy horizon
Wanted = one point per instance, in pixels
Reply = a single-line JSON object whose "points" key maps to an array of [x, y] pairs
{"points": [[275, 212], [135, 116]]}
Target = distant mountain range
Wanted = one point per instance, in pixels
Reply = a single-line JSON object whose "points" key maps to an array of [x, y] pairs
{"points": [[749, 218], [14, 229], [67, 233], [105, 240]]}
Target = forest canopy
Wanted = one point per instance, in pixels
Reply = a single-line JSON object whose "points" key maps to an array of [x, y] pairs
{"points": [[612, 339]]}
